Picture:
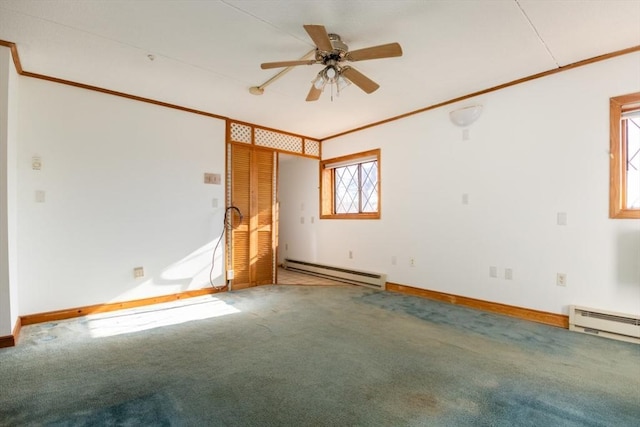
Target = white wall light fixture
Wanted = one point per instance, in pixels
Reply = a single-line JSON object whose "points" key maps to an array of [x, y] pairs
{"points": [[465, 116]]}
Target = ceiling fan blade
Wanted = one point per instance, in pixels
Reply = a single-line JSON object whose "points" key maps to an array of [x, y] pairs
{"points": [[360, 80], [320, 37], [376, 52], [281, 64], [314, 93]]}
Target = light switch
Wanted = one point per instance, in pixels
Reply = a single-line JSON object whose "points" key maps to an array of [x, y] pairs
{"points": [[212, 178], [138, 272], [36, 163]]}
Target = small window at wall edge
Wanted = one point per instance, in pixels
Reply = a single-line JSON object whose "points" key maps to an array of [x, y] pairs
{"points": [[350, 186], [624, 182]]}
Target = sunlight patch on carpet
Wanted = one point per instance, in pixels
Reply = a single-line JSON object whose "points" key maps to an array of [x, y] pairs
{"points": [[136, 320]]}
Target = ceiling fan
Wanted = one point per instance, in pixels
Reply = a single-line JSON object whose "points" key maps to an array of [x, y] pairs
{"points": [[332, 52]]}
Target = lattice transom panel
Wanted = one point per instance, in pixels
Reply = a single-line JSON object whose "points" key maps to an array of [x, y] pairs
{"points": [[311, 147], [280, 141], [240, 133]]}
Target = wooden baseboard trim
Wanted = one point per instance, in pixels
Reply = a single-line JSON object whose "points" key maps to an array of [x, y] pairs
{"points": [[69, 313], [7, 341], [16, 330], [544, 317], [11, 340]]}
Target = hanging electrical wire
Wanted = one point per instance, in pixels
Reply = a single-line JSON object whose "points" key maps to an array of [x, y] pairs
{"points": [[226, 224]]}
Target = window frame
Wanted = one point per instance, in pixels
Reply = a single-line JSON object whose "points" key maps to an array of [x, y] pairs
{"points": [[618, 158], [327, 185]]}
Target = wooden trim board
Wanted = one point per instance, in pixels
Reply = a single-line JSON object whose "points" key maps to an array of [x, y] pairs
{"points": [[7, 341], [544, 317], [69, 313], [11, 340]]}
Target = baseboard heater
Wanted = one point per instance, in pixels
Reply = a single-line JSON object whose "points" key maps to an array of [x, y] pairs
{"points": [[356, 277], [623, 327]]}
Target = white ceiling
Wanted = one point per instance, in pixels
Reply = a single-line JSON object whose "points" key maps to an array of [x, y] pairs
{"points": [[208, 53]]}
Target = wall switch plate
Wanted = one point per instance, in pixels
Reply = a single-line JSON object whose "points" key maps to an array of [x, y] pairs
{"points": [[465, 199], [138, 272], [36, 163], [212, 178], [412, 262], [230, 274], [493, 271]]}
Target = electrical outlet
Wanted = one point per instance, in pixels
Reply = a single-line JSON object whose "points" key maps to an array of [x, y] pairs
{"points": [[138, 272], [36, 163], [562, 218], [508, 274], [412, 262], [561, 279]]}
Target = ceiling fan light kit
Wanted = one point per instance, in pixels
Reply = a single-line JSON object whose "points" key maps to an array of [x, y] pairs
{"points": [[332, 52]]}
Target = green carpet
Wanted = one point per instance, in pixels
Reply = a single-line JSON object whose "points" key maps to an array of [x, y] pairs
{"points": [[315, 356]]}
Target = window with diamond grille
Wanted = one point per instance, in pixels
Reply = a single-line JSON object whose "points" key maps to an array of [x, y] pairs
{"points": [[624, 191], [350, 186]]}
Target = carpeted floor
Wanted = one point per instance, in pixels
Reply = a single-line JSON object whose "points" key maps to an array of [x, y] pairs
{"points": [[315, 356]]}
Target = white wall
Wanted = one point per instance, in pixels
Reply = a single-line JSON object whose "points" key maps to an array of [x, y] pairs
{"points": [[123, 184], [8, 163], [538, 149], [298, 198]]}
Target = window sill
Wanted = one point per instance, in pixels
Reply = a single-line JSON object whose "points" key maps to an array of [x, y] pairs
{"points": [[625, 214], [351, 216]]}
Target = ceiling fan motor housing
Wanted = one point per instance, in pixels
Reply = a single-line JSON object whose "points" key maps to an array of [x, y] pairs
{"points": [[339, 52], [337, 43]]}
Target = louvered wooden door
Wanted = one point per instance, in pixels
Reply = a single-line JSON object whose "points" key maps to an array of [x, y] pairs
{"points": [[253, 189]]}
